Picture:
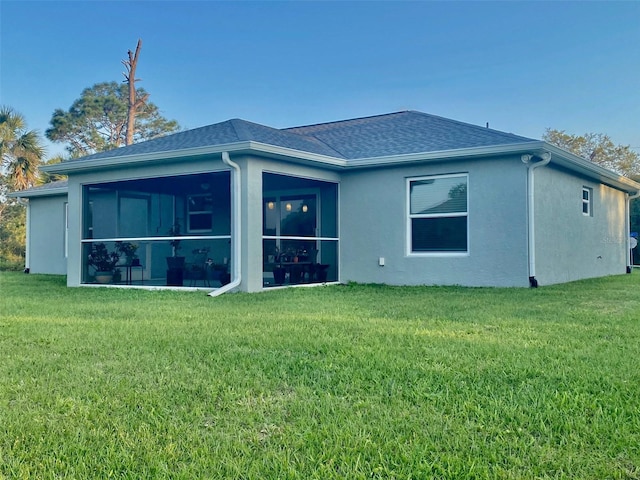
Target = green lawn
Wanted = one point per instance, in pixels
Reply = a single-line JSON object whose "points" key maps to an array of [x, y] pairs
{"points": [[355, 381]]}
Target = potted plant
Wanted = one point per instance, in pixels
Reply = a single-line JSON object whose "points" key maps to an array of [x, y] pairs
{"points": [[117, 275], [103, 261], [279, 272], [128, 250], [175, 263]]}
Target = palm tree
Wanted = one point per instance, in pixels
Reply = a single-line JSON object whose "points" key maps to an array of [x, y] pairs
{"points": [[20, 149]]}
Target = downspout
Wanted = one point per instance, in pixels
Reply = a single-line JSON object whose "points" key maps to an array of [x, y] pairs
{"points": [[629, 198], [527, 159], [235, 232], [25, 203]]}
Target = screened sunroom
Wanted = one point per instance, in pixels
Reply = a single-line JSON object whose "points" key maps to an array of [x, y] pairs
{"points": [[165, 231]]}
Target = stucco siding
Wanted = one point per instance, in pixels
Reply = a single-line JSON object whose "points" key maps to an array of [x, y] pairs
{"points": [[570, 245], [47, 235], [374, 224]]}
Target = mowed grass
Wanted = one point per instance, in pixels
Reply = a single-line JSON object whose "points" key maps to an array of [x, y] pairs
{"points": [[355, 381]]}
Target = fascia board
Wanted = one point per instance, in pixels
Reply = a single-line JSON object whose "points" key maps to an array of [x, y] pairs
{"points": [[45, 192], [585, 167], [391, 160], [154, 157], [75, 166], [559, 156]]}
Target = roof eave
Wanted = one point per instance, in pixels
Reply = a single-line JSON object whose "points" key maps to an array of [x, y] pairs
{"points": [[585, 167], [78, 166], [458, 153], [559, 156], [45, 192]]}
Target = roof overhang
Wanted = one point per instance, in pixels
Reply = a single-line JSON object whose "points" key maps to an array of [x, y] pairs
{"points": [[559, 157], [39, 192], [108, 163], [589, 169]]}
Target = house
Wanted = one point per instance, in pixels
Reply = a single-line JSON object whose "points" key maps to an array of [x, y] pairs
{"points": [[405, 198]]}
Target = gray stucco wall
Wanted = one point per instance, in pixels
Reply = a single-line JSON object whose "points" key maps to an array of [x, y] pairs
{"points": [[47, 235], [374, 224], [570, 245]]}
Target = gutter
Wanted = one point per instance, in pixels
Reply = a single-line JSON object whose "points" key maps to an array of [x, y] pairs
{"points": [[39, 192], [628, 212], [527, 159], [561, 157], [76, 166], [236, 230]]}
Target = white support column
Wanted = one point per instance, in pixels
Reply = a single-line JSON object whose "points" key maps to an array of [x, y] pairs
{"points": [[252, 226]]}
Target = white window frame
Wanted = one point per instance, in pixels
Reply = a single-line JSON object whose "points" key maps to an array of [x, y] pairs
{"points": [[587, 202], [199, 212], [411, 216]]}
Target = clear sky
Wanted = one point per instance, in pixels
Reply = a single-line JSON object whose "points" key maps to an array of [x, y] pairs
{"points": [[521, 66]]}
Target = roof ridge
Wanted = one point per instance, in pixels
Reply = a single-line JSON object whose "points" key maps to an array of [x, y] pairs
{"points": [[237, 125], [339, 152], [346, 120], [466, 124]]}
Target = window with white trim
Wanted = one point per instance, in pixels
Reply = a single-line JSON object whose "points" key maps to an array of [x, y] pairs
{"points": [[199, 213], [438, 214], [587, 201]]}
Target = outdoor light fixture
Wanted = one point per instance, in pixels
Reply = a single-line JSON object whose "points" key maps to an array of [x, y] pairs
{"points": [[270, 205], [305, 208], [288, 207]]}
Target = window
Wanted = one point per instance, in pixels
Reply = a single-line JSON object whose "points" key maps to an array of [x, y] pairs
{"points": [[200, 213], [438, 214], [587, 201]]}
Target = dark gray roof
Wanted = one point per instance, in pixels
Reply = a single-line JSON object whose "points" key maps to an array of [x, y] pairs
{"points": [[403, 133], [378, 136], [228, 132]]}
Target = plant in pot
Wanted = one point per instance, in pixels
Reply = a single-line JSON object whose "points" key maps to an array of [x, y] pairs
{"points": [[279, 272], [128, 250], [103, 261], [175, 263]]}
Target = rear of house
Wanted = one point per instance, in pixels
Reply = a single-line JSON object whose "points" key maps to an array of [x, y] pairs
{"points": [[404, 198]]}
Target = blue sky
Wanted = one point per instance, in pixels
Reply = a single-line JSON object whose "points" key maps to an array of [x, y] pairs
{"points": [[521, 66]]}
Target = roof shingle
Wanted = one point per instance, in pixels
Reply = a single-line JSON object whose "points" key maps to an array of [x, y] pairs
{"points": [[369, 137]]}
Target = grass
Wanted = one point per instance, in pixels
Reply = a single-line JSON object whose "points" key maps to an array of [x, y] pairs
{"points": [[355, 381]]}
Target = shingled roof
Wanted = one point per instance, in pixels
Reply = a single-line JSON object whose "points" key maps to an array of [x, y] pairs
{"points": [[403, 133], [366, 142], [369, 137]]}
